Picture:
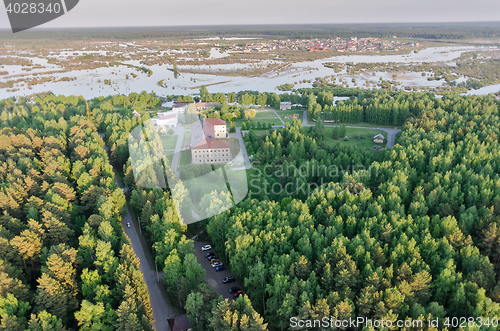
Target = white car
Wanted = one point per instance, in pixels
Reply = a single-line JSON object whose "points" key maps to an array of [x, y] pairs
{"points": [[206, 248], [217, 264], [128, 225]]}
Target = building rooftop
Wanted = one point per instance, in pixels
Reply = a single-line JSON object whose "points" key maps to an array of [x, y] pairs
{"points": [[203, 130], [207, 104], [213, 121], [211, 144], [166, 117]]}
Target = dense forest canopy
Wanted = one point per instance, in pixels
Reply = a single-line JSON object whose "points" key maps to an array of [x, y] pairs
{"points": [[417, 238], [65, 263]]}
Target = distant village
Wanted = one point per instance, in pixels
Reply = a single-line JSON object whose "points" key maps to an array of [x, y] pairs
{"points": [[318, 45]]}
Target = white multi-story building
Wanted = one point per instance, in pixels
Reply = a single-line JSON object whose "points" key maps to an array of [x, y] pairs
{"points": [[285, 105], [166, 120], [205, 145], [211, 151]]}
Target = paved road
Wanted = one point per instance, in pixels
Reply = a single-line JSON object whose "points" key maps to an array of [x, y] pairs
{"points": [[278, 116], [157, 296], [243, 149], [391, 133], [213, 277]]}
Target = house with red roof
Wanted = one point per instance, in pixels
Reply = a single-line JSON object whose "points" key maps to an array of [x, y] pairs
{"points": [[205, 105], [206, 147]]}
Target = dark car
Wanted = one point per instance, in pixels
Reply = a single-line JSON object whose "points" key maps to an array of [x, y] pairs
{"points": [[229, 279], [209, 254], [220, 268], [212, 257], [234, 289]]}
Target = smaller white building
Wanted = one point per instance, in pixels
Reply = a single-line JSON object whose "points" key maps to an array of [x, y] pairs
{"points": [[379, 139], [285, 105], [170, 120], [179, 107]]}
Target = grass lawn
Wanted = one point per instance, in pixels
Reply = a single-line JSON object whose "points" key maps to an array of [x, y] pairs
{"points": [[290, 113], [361, 138], [366, 125], [186, 139], [168, 142], [273, 121], [185, 158], [265, 114], [234, 146]]}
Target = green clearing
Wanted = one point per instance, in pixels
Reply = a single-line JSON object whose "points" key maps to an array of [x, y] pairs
{"points": [[290, 113], [186, 139], [264, 114], [168, 142], [365, 125], [273, 121], [234, 146], [185, 158], [361, 138]]}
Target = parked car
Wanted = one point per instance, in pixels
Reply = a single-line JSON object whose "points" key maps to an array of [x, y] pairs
{"points": [[214, 260], [229, 279], [234, 289], [206, 248], [217, 264], [128, 225], [221, 268], [209, 254], [211, 257], [237, 294]]}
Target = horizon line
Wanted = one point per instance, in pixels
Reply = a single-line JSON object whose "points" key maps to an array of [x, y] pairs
{"points": [[251, 25]]}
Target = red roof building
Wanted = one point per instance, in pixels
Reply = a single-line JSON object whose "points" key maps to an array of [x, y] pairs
{"points": [[205, 105], [205, 147]]}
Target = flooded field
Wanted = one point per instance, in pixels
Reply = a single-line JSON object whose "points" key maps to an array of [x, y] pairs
{"points": [[224, 78]]}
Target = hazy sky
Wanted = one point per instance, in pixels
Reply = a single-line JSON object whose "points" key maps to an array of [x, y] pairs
{"points": [[97, 13]]}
